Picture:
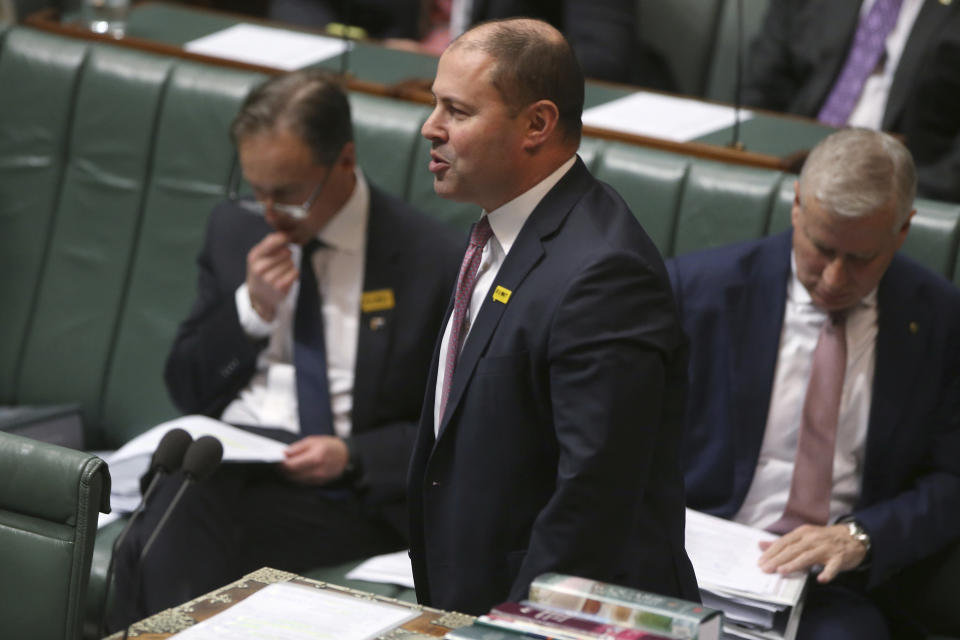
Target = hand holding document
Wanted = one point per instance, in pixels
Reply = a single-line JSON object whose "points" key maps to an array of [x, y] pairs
{"points": [[131, 461], [724, 554]]}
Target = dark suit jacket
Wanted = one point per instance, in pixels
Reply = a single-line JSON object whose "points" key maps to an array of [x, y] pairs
{"points": [[732, 303], [212, 359], [803, 45], [559, 447]]}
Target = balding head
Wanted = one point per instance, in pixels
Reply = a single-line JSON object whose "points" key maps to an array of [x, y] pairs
{"points": [[532, 61]]}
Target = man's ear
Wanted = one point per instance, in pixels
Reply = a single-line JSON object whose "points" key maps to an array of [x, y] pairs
{"points": [[541, 119]]}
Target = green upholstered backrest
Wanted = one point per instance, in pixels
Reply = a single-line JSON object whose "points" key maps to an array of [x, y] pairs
{"points": [[49, 501], [723, 204], [189, 167], [387, 134], [684, 32], [720, 73], [39, 77], [95, 228], [934, 235]]}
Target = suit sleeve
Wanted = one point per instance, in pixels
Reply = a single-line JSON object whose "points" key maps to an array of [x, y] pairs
{"points": [[771, 80], [922, 520], [610, 343], [211, 358]]}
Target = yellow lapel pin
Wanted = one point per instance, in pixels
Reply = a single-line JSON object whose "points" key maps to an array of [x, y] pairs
{"points": [[377, 300], [501, 294]]}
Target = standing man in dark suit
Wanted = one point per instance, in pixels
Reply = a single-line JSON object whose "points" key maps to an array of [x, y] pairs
{"points": [[351, 280], [550, 432], [887, 487], [884, 64]]}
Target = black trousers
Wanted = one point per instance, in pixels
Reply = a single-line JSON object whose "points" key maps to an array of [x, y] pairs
{"points": [[242, 518]]}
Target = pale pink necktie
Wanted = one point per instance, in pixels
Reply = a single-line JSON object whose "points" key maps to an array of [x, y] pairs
{"points": [[468, 278], [812, 481]]}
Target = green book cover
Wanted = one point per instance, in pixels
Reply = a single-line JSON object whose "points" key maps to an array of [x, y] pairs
{"points": [[628, 607]]}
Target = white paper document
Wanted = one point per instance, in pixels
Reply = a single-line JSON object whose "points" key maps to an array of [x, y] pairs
{"points": [[128, 463], [390, 568], [286, 611], [724, 556], [659, 116], [267, 46]]}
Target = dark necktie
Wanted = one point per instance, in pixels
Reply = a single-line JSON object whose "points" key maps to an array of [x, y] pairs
{"points": [[865, 53], [310, 353], [468, 279], [812, 481]]}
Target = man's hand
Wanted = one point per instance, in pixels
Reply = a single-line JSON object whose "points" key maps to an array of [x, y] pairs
{"points": [[270, 274], [832, 547], [316, 459]]}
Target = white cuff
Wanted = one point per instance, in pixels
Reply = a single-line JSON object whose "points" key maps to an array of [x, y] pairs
{"points": [[251, 322]]}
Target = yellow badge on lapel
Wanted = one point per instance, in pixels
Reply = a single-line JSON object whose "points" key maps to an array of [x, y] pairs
{"points": [[501, 294], [377, 300]]}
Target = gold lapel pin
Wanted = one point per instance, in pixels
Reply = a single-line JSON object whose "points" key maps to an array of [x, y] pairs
{"points": [[914, 327], [377, 323]]}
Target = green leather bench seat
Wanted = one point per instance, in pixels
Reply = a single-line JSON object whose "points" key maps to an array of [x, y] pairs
{"points": [[110, 160], [49, 501]]}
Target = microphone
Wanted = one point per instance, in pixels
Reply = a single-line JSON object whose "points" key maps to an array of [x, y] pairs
{"points": [[166, 459], [200, 460], [737, 143]]}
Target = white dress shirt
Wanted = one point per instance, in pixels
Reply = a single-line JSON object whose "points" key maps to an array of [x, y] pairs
{"points": [[802, 321], [506, 222], [270, 399], [869, 109]]}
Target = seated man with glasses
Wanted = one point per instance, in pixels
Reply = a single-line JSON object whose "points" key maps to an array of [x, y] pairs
{"points": [[319, 299]]}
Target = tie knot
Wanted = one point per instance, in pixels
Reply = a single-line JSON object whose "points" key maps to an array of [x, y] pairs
{"points": [[481, 232]]}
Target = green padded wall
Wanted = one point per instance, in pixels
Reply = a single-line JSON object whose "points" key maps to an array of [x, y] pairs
{"points": [[722, 204], [189, 170], [683, 31], [651, 182], [96, 223], [782, 205], [34, 123], [721, 65], [386, 132], [934, 235]]}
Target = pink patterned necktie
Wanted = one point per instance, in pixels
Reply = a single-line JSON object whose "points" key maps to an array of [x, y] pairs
{"points": [[868, 46], [812, 481], [465, 283]]}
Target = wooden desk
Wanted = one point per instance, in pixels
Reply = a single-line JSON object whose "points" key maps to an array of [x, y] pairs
{"points": [[769, 140], [431, 623]]}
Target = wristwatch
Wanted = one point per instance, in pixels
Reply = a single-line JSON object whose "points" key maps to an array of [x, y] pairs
{"points": [[858, 533]]}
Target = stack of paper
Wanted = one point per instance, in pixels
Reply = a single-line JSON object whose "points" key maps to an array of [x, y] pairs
{"points": [[757, 605], [128, 463]]}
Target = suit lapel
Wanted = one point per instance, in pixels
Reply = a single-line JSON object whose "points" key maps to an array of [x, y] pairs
{"points": [[900, 347], [376, 328], [527, 251], [759, 300], [932, 17], [833, 44]]}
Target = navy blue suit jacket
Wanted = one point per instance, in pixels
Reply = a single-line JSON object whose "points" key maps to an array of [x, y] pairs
{"points": [[559, 449], [803, 44], [732, 304]]}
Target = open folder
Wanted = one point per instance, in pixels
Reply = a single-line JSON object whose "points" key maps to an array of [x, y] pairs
{"points": [[756, 605]]}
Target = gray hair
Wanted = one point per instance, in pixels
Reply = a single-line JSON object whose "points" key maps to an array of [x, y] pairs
{"points": [[854, 172], [310, 102]]}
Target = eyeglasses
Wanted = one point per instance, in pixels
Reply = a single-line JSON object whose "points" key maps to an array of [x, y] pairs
{"points": [[255, 206]]}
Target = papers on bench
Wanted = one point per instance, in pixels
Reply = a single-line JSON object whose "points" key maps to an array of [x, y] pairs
{"points": [[267, 46], [756, 605], [128, 463], [659, 116], [285, 611], [390, 568]]}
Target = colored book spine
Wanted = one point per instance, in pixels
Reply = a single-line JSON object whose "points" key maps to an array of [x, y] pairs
{"points": [[627, 607], [549, 620]]}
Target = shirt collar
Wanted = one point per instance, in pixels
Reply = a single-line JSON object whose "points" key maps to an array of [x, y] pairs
{"points": [[798, 293], [347, 229], [507, 220]]}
